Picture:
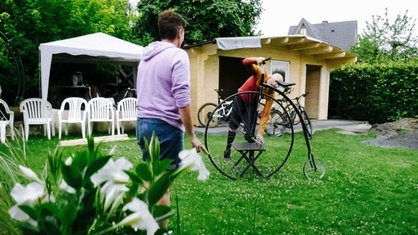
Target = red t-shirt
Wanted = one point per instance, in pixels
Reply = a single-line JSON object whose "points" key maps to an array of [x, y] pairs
{"points": [[252, 83]]}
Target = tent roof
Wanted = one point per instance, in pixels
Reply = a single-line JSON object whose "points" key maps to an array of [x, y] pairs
{"points": [[96, 44], [91, 48]]}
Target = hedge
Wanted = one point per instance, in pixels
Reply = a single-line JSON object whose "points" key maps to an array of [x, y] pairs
{"points": [[374, 93]]}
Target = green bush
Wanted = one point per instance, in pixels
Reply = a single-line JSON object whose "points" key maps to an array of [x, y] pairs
{"points": [[374, 92]]}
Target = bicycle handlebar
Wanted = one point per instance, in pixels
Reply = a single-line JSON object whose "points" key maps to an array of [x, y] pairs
{"points": [[303, 95], [265, 60]]}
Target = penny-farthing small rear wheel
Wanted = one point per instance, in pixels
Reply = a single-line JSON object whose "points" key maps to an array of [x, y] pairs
{"points": [[246, 117], [314, 168]]}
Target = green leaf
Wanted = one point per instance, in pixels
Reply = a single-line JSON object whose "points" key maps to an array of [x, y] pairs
{"points": [[158, 189], [48, 221], [143, 172], [164, 164], [28, 229], [133, 176], [161, 211], [79, 160], [133, 189], [72, 176], [30, 211], [154, 152], [49, 226], [68, 214]]}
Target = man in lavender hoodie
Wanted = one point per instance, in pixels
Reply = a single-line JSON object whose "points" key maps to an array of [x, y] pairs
{"points": [[163, 88]]}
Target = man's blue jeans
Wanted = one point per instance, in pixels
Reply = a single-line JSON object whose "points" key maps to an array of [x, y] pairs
{"points": [[171, 138]]}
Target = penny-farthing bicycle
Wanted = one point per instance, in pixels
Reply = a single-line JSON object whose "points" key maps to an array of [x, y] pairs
{"points": [[250, 157]]}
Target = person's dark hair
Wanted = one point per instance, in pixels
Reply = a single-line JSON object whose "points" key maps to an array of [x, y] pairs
{"points": [[168, 24]]}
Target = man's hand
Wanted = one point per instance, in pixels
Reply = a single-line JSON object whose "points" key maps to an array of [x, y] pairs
{"points": [[198, 145], [260, 60]]}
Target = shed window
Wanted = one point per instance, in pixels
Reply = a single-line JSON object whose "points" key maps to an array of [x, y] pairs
{"points": [[281, 67]]}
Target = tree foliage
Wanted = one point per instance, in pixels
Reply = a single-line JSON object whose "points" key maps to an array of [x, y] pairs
{"points": [[28, 23], [207, 19], [384, 41]]}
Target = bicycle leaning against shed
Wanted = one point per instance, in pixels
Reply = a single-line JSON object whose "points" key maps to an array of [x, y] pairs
{"points": [[279, 121], [218, 115], [250, 157]]}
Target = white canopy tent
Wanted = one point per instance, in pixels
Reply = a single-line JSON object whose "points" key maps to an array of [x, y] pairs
{"points": [[91, 48]]}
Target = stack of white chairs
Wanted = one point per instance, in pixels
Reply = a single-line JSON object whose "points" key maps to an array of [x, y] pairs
{"points": [[125, 112], [37, 111], [6, 120], [76, 108]]}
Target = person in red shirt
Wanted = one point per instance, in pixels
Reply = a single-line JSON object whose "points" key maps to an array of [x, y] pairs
{"points": [[245, 106]]}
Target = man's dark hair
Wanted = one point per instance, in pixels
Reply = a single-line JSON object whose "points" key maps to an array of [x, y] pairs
{"points": [[168, 24]]}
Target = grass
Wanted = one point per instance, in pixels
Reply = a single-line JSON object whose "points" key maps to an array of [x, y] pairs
{"points": [[367, 190]]}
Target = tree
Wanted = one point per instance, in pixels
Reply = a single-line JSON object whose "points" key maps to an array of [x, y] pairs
{"points": [[207, 19], [385, 41], [27, 23]]}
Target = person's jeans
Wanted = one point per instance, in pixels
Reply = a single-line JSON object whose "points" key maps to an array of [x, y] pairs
{"points": [[171, 138]]}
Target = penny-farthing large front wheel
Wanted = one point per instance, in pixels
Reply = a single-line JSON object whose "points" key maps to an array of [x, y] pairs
{"points": [[258, 158]]}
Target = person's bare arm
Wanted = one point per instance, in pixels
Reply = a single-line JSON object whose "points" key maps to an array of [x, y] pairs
{"points": [[186, 118]]}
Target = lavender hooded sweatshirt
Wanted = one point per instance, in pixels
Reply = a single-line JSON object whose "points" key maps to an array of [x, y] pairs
{"points": [[163, 83]]}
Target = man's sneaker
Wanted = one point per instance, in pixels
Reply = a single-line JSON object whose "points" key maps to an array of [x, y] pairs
{"points": [[227, 154]]}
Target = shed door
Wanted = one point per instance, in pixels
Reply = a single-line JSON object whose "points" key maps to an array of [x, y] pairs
{"points": [[232, 75], [313, 78]]}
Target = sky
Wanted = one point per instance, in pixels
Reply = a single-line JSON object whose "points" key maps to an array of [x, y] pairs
{"points": [[279, 15]]}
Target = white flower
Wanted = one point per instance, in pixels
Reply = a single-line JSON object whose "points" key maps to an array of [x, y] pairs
{"points": [[112, 171], [29, 194], [115, 179], [16, 213], [191, 160], [64, 184], [68, 161], [67, 187], [29, 174], [113, 193], [141, 218], [26, 195]]}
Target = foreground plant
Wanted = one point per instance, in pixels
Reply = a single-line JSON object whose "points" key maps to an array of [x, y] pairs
{"points": [[91, 193]]}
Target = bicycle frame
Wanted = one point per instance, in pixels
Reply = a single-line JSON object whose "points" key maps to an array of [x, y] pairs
{"points": [[224, 111], [298, 106], [295, 107]]}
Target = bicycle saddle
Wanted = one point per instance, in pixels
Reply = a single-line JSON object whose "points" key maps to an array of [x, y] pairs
{"points": [[285, 84]]}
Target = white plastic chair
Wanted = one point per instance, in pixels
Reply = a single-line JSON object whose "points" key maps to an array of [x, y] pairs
{"points": [[77, 114], [125, 112], [6, 120], [100, 109], [37, 111]]}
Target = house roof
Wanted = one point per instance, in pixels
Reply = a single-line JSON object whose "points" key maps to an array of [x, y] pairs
{"points": [[340, 34]]}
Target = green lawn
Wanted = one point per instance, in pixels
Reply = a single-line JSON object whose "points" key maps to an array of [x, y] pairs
{"points": [[366, 190]]}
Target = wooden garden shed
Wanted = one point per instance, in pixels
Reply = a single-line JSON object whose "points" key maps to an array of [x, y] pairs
{"points": [[305, 61]]}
